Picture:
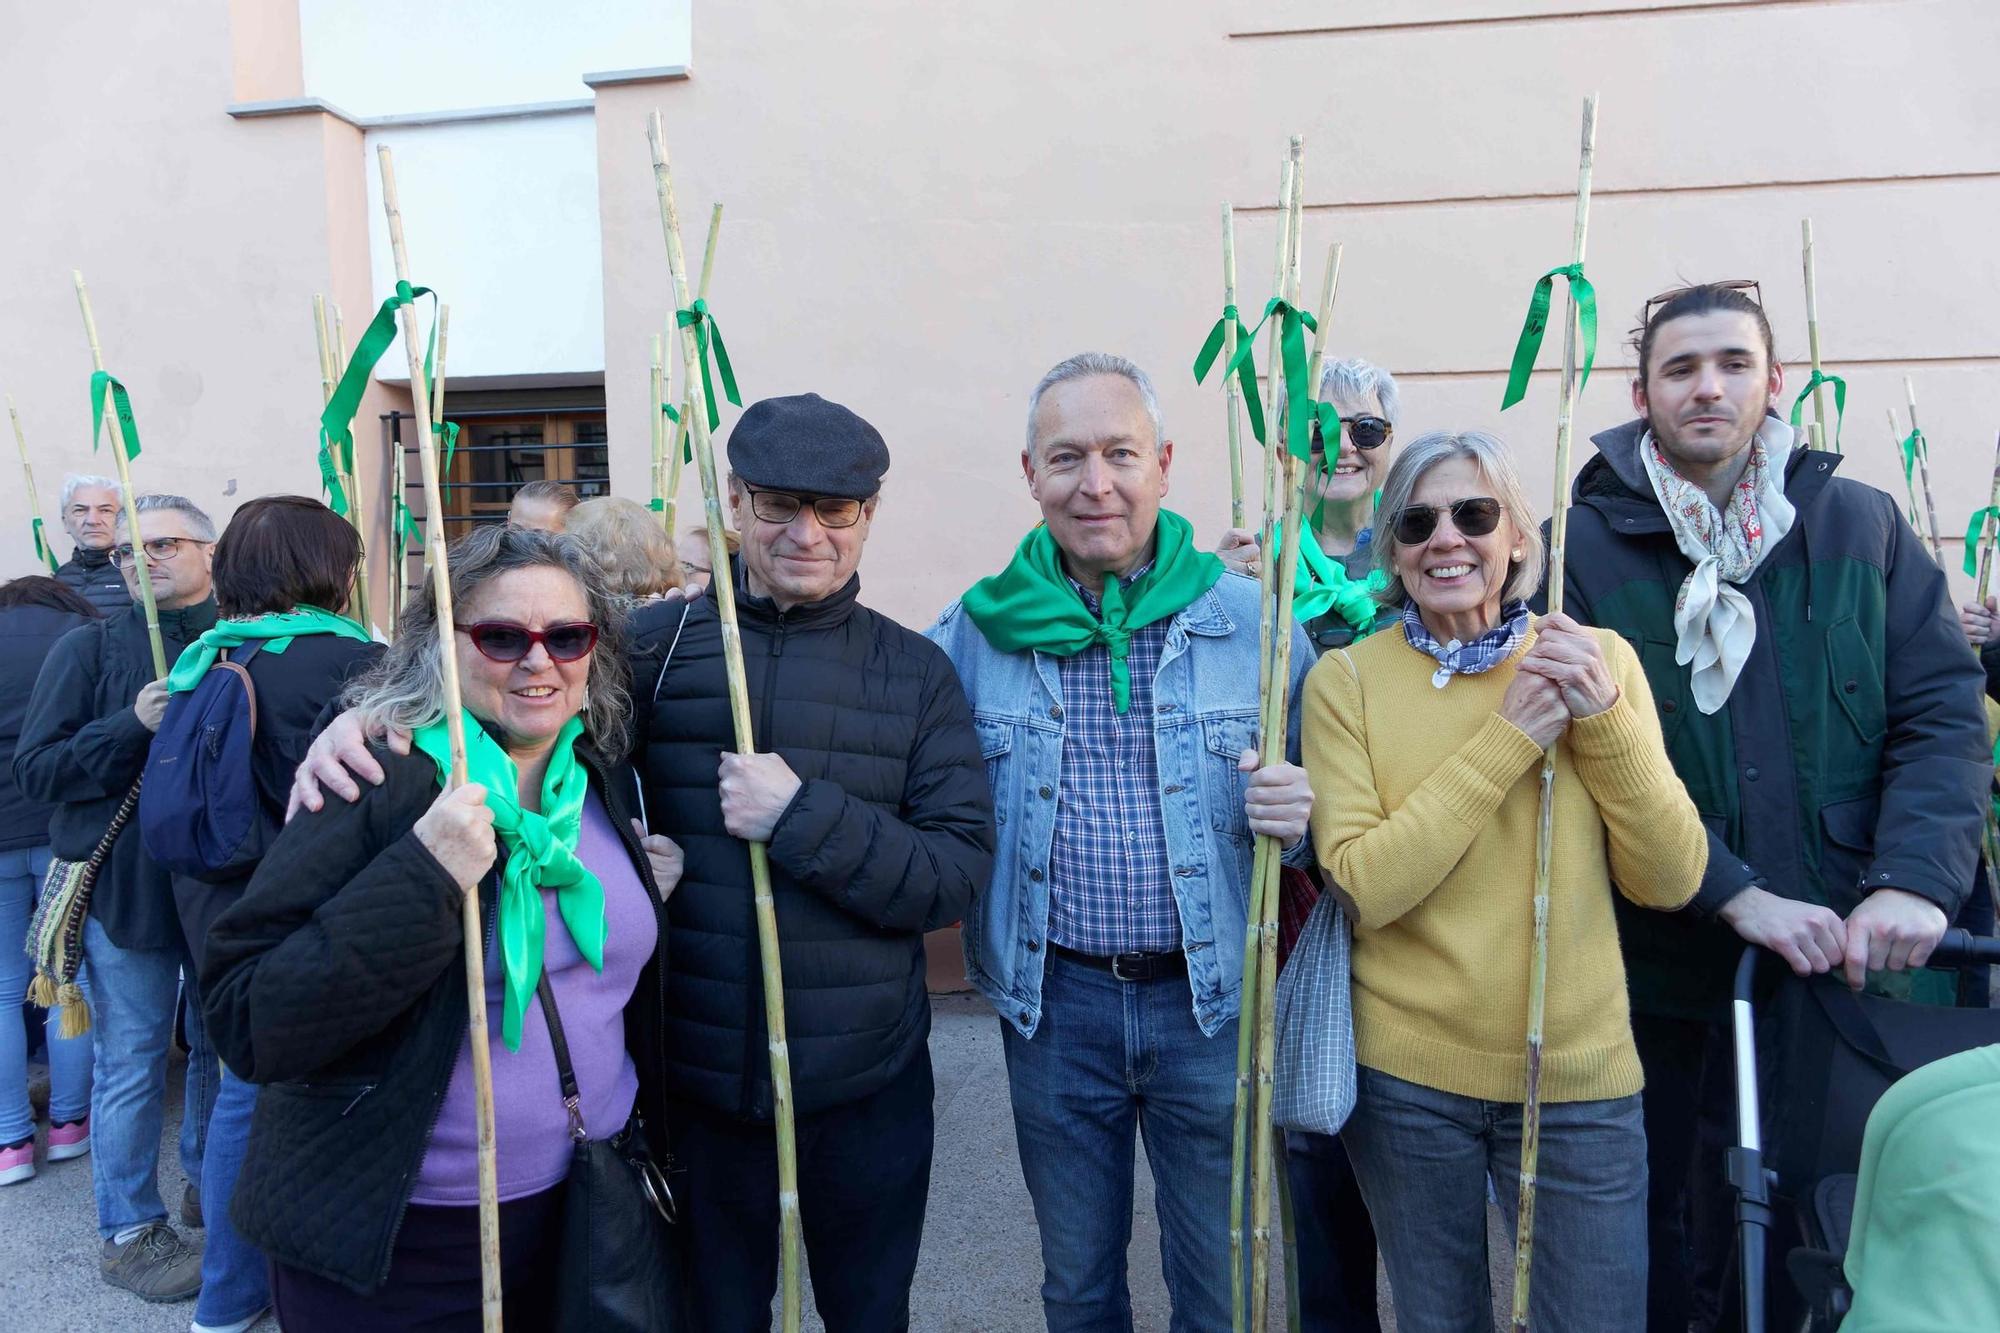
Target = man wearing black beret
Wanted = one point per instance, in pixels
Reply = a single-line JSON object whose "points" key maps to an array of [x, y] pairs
{"points": [[870, 792]]}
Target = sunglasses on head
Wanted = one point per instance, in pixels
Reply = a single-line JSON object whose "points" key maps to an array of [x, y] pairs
{"points": [[504, 641], [1362, 432], [1748, 286], [1474, 517]]}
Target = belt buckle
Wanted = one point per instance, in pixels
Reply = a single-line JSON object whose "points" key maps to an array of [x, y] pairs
{"points": [[1140, 961]]}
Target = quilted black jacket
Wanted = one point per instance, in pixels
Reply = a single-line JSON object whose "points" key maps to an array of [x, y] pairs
{"points": [[338, 982], [888, 837]]}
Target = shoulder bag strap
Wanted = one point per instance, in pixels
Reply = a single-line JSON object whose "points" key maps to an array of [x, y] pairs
{"points": [[571, 1096]]}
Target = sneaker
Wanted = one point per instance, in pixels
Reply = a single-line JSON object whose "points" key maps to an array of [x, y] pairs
{"points": [[17, 1162], [240, 1326], [191, 1207], [69, 1139], [155, 1265]]}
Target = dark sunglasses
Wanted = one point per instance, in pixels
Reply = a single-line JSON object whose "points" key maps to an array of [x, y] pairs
{"points": [[1362, 433], [504, 641], [1747, 285], [1474, 517]]}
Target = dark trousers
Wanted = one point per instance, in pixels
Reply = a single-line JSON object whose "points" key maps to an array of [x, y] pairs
{"points": [[864, 1179], [433, 1283], [1335, 1238]]}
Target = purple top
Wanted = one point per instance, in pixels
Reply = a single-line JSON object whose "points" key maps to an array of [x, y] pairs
{"points": [[531, 1129]]}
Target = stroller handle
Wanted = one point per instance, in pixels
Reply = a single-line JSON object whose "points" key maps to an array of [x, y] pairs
{"points": [[1961, 948]]}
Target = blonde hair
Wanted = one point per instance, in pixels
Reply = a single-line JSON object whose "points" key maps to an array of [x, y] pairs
{"points": [[629, 545], [731, 540]]}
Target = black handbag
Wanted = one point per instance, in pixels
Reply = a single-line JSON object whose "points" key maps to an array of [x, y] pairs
{"points": [[620, 1256]]}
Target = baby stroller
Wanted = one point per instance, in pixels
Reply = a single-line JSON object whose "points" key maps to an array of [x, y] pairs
{"points": [[1829, 1055]]}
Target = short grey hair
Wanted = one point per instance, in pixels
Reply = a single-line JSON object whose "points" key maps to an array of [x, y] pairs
{"points": [[405, 689], [1496, 464], [203, 525], [1086, 364], [1359, 379], [81, 481]]}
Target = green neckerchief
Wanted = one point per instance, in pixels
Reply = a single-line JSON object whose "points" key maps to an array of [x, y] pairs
{"points": [[276, 631], [1325, 585], [1032, 604], [541, 854]]}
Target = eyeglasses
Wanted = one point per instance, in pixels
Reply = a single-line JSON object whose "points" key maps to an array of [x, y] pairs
{"points": [[158, 549], [1362, 432], [504, 641], [833, 511], [1473, 517], [691, 570], [1748, 285]]}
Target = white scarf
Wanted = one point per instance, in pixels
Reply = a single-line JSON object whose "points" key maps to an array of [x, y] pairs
{"points": [[1713, 619]]}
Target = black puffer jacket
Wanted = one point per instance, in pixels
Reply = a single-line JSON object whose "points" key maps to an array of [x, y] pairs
{"points": [[889, 836], [82, 747], [92, 574], [338, 982], [27, 634]]}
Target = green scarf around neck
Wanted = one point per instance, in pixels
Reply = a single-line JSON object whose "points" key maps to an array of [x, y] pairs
{"points": [[541, 854], [276, 631], [1032, 603]]}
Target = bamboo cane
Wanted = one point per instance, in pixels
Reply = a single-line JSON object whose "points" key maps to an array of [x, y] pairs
{"points": [[1232, 391], [659, 437], [1909, 478], [434, 532], [454, 716], [331, 368], [398, 539], [1812, 327], [1247, 993], [1538, 971], [1924, 472], [47, 551], [723, 588], [337, 357], [678, 454], [324, 338], [140, 565]]}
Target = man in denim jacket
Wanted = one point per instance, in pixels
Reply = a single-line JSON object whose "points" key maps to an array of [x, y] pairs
{"points": [[1112, 671]]}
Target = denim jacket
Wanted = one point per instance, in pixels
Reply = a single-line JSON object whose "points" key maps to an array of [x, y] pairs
{"points": [[1205, 716]]}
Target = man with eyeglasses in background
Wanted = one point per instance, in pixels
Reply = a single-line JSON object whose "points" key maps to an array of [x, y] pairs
{"points": [[89, 724], [90, 517], [1818, 702], [869, 791]]}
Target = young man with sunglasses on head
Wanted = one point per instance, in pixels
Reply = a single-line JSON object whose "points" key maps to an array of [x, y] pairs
{"points": [[868, 789], [1818, 703], [89, 725]]}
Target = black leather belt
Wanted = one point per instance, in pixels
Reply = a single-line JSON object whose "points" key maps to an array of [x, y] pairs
{"points": [[1128, 966]]}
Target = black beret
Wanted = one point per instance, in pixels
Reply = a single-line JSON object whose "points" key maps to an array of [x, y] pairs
{"points": [[808, 445]]}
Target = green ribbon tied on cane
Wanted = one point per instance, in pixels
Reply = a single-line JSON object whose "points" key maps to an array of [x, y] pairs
{"points": [[707, 332], [43, 551], [1245, 367], [101, 384], [1292, 324], [1537, 324], [657, 504], [1975, 529], [687, 441], [1819, 377], [407, 532], [336, 419], [1912, 444]]}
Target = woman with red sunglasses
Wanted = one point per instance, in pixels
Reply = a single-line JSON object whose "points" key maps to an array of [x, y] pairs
{"points": [[1424, 744], [337, 981]]}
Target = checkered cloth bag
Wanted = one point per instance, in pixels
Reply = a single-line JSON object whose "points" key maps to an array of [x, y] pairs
{"points": [[55, 932], [1315, 1021]]}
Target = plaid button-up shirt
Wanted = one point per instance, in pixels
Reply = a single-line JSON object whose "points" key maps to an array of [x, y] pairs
{"points": [[1109, 885]]}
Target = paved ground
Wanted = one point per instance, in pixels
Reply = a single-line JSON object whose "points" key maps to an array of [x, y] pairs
{"points": [[980, 1273]]}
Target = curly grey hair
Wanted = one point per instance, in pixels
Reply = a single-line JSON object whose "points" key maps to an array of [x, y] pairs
{"points": [[405, 690], [1495, 464]]}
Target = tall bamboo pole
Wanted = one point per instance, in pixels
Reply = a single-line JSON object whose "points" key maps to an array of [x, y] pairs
{"points": [[324, 338], [1909, 476], [1246, 1017], [434, 533], [1924, 471], [678, 454], [140, 565], [658, 381], [1538, 971], [331, 369], [1812, 326], [454, 716], [723, 587], [1232, 391], [46, 551]]}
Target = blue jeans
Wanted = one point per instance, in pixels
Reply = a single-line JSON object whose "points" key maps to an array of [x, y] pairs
{"points": [[1423, 1158], [1110, 1056], [235, 1282], [131, 1024], [21, 874]]}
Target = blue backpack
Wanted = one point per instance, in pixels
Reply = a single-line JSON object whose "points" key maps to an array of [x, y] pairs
{"points": [[199, 813]]}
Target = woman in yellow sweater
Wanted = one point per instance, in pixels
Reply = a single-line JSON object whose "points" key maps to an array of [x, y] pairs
{"points": [[1424, 744]]}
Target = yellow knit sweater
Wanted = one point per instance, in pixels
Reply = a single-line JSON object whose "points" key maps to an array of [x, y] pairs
{"points": [[1425, 806]]}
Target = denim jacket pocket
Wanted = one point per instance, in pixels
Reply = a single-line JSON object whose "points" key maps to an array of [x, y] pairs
{"points": [[1223, 784], [996, 740]]}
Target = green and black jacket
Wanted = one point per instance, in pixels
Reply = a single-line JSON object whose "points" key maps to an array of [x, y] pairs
{"points": [[1852, 753]]}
